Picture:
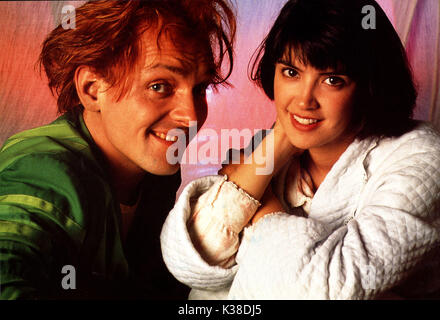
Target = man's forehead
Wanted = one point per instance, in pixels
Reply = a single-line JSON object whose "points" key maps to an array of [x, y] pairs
{"points": [[164, 53]]}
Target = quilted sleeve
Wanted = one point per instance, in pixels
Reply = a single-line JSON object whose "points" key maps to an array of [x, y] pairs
{"points": [[181, 257], [217, 219], [394, 231]]}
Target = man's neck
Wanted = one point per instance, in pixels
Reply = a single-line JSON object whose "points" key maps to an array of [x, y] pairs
{"points": [[125, 175], [126, 186]]}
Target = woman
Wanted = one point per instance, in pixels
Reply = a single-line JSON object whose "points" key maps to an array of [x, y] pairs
{"points": [[351, 210]]}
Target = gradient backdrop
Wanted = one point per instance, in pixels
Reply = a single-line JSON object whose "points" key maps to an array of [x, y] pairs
{"points": [[26, 101]]}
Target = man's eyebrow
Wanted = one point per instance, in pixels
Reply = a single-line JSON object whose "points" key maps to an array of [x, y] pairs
{"points": [[178, 70]]}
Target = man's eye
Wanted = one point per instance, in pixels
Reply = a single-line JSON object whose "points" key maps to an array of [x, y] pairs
{"points": [[334, 81], [161, 88], [289, 72]]}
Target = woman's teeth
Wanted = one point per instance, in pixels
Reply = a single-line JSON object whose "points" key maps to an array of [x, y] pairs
{"points": [[304, 121], [165, 137]]}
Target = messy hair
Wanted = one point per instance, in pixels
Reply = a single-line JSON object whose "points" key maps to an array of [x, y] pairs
{"points": [[107, 38]]}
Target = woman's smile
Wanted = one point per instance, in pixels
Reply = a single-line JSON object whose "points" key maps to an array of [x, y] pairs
{"points": [[304, 123]]}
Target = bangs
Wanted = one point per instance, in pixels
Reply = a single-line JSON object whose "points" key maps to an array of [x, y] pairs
{"points": [[326, 35], [321, 41], [317, 56]]}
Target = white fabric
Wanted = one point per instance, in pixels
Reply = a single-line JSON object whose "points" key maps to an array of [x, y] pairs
{"points": [[219, 215], [373, 221], [218, 223], [296, 185]]}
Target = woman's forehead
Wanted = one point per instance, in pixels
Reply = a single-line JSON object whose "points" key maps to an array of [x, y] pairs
{"points": [[296, 55]]}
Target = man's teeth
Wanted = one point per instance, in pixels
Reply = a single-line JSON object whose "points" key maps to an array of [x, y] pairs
{"points": [[304, 121], [165, 137]]}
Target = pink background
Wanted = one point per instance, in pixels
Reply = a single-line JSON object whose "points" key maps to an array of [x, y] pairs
{"points": [[26, 101]]}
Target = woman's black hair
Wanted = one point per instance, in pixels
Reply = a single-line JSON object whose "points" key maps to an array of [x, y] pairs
{"points": [[330, 34]]}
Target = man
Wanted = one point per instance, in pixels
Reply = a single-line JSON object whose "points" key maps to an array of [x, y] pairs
{"points": [[82, 200]]}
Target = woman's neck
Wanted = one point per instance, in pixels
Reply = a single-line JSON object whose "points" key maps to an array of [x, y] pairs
{"points": [[319, 161]]}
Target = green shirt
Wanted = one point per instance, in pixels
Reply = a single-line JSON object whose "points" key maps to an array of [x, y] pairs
{"points": [[57, 209]]}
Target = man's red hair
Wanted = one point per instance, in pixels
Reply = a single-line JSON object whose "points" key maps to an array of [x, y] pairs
{"points": [[107, 39]]}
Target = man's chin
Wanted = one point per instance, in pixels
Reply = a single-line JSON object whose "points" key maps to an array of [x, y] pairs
{"points": [[164, 170]]}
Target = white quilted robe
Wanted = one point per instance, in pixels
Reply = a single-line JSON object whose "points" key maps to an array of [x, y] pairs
{"points": [[374, 225]]}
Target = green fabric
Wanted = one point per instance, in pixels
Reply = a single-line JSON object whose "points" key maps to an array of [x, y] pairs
{"points": [[57, 209]]}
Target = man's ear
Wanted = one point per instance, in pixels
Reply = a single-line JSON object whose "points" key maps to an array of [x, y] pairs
{"points": [[88, 86]]}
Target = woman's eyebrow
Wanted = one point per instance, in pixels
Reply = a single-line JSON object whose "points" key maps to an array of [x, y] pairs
{"points": [[324, 72], [334, 72], [289, 64]]}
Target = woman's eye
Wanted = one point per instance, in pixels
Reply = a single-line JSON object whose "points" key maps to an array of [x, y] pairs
{"points": [[163, 88], [290, 73], [334, 81]]}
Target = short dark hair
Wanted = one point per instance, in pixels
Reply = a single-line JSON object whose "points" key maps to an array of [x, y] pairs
{"points": [[108, 33], [329, 34]]}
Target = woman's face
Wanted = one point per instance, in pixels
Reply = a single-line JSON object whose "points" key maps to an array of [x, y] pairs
{"points": [[314, 106]]}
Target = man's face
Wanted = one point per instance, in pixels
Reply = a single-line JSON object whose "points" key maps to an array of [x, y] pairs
{"points": [[168, 91]]}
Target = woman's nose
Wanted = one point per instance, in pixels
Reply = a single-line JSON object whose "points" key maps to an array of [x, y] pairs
{"points": [[306, 98]]}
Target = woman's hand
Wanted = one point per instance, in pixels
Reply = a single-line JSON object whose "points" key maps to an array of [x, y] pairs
{"points": [[283, 148], [276, 150], [269, 204]]}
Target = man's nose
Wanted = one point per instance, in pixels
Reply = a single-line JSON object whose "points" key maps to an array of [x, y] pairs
{"points": [[185, 110]]}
